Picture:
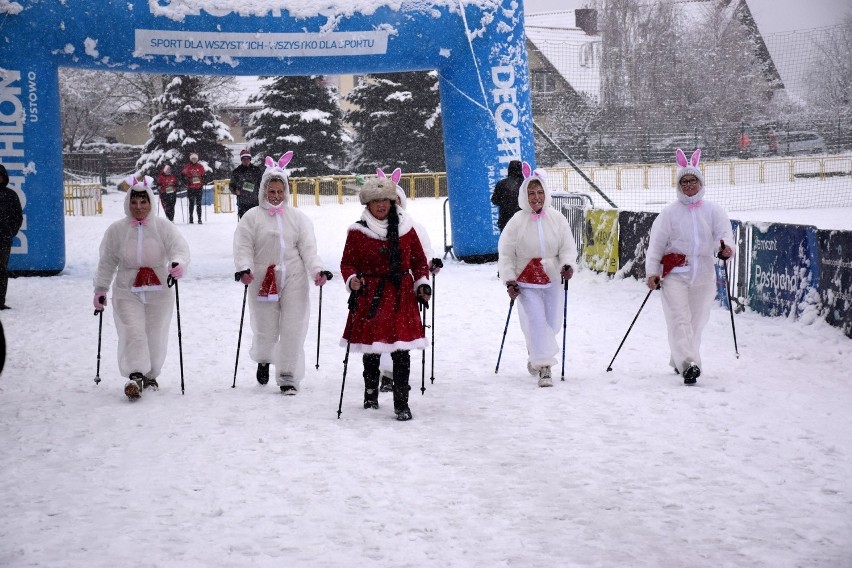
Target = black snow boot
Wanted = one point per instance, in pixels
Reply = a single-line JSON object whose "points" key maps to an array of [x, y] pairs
{"points": [[400, 401], [691, 374], [371, 380], [387, 383], [263, 373]]}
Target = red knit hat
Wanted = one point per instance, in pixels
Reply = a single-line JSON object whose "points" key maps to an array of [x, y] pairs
{"points": [[533, 275], [268, 288], [244, 153]]}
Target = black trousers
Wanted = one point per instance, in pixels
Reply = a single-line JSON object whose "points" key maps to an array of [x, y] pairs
{"points": [[5, 253], [194, 196], [168, 201]]}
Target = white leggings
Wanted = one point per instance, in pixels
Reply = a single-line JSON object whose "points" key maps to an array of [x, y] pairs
{"points": [[279, 330], [540, 312], [687, 310]]}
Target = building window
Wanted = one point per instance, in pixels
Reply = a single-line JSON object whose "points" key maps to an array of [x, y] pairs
{"points": [[542, 81]]}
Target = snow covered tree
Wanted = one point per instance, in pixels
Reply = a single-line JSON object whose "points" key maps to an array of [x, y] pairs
{"points": [[89, 111], [299, 114], [397, 120], [186, 124]]}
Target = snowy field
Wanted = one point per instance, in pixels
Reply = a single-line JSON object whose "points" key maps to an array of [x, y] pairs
{"points": [[751, 467]]}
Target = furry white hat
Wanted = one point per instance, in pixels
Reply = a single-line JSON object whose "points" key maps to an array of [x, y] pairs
{"points": [[275, 170], [377, 188], [395, 177], [689, 167]]}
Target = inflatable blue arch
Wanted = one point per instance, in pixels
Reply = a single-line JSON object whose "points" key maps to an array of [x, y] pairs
{"points": [[477, 46]]}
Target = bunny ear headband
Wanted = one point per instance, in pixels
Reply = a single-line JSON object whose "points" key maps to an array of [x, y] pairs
{"points": [[529, 172], [145, 182], [693, 161], [395, 176], [282, 161]]}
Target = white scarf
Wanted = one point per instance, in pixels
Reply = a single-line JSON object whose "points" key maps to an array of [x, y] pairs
{"points": [[380, 228]]}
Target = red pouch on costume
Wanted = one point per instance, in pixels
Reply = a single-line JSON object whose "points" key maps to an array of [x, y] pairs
{"points": [[533, 275], [673, 260], [146, 281], [268, 288]]}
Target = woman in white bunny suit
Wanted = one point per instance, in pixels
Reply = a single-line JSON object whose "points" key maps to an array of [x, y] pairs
{"points": [[137, 255], [274, 253], [536, 249], [682, 250]]}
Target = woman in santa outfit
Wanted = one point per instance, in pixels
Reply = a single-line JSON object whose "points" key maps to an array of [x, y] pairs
{"points": [[435, 265], [137, 255], [686, 238], [536, 249], [384, 265], [275, 253]]}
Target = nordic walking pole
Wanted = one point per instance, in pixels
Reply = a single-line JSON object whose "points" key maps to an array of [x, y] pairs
{"points": [[436, 263], [728, 295], [423, 307], [171, 281], [328, 276], [505, 329], [237, 277], [353, 305], [100, 314], [648, 295], [564, 325]]}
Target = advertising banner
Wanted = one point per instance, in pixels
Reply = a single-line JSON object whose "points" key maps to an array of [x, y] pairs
{"points": [[601, 235], [634, 230], [835, 249], [784, 273]]}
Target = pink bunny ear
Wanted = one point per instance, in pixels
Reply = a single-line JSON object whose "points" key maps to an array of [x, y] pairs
{"points": [[397, 173], [285, 159], [526, 169], [681, 158], [135, 181], [696, 156], [269, 161], [380, 173]]}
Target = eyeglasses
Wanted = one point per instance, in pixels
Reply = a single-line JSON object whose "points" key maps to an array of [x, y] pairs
{"points": [[686, 182]]}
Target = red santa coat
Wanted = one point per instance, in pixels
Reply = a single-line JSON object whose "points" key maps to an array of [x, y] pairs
{"points": [[394, 323]]}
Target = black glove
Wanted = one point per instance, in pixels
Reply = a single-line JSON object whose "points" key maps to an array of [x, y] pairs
{"points": [[436, 263], [424, 290]]}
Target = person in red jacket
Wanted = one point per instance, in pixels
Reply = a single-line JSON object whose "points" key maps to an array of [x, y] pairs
{"points": [[167, 189], [193, 177], [383, 264]]}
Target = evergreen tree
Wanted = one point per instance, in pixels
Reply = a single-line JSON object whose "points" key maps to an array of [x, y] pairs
{"points": [[299, 114], [186, 124], [397, 119]]}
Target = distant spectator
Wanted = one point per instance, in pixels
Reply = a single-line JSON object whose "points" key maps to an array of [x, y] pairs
{"points": [[745, 144], [167, 188], [193, 178], [245, 182], [505, 195], [11, 219], [773, 142]]}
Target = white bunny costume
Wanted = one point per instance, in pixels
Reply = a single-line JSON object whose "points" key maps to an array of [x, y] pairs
{"points": [[278, 241], [543, 240], [692, 227], [142, 317]]}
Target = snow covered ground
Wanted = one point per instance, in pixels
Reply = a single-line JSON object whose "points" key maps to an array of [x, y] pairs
{"points": [[751, 467]]}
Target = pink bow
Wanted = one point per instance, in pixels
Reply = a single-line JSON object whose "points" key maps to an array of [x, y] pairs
{"points": [[136, 222], [695, 205], [273, 211], [538, 215]]}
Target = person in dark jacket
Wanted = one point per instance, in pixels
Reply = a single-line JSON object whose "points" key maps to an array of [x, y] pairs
{"points": [[11, 219], [245, 182], [505, 195]]}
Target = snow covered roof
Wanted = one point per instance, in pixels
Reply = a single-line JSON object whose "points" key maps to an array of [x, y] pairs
{"points": [[573, 53]]}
